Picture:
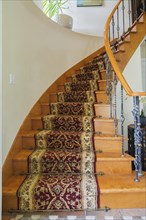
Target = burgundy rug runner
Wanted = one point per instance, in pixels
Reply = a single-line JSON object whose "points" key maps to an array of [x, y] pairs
{"points": [[61, 170]]}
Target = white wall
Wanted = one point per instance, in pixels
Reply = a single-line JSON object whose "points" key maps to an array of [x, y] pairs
{"points": [[133, 70], [143, 62], [133, 75], [88, 20], [35, 52], [0, 104]]}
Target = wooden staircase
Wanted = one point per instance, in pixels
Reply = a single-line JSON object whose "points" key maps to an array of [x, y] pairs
{"points": [[117, 186]]}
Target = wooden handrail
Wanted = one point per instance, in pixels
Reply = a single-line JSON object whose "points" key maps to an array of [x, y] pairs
{"points": [[115, 66]]}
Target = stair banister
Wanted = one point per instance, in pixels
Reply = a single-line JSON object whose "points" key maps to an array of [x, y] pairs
{"points": [[110, 46], [112, 59]]}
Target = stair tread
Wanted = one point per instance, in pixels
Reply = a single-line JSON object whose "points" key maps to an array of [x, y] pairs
{"points": [[121, 183], [113, 157], [107, 136], [104, 119], [119, 51], [36, 117], [101, 80], [30, 133], [45, 103], [12, 185], [101, 104], [103, 70], [108, 184], [102, 91], [22, 155]]}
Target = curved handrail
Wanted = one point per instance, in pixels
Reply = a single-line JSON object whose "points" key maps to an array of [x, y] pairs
{"points": [[112, 59]]}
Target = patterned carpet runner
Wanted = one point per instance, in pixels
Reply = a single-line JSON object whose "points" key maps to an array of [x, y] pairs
{"points": [[61, 170]]}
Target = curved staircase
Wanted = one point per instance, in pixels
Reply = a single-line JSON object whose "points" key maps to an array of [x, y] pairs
{"points": [[71, 123]]}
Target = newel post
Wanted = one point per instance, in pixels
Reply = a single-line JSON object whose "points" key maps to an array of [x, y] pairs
{"points": [[137, 138]]}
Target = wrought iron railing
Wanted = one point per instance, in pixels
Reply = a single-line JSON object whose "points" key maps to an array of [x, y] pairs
{"points": [[119, 25]]}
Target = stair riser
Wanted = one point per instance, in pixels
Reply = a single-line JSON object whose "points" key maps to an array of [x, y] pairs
{"points": [[102, 98], [112, 200], [69, 79], [102, 86], [45, 110], [37, 124], [20, 167], [9, 202], [119, 57], [37, 110], [52, 98], [139, 26], [109, 146], [103, 111], [28, 142], [61, 88], [113, 167], [103, 75], [123, 200], [104, 127]]}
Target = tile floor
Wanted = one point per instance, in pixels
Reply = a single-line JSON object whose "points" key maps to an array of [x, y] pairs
{"points": [[113, 214]]}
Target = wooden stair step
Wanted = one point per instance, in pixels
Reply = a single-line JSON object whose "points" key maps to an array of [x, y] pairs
{"points": [[45, 108], [103, 74], [9, 191], [118, 51], [20, 164], [101, 125], [104, 126], [102, 84], [139, 21], [28, 140], [69, 79], [118, 60], [52, 97], [121, 191], [125, 39], [113, 157], [123, 46], [108, 143], [129, 36], [139, 26], [102, 110], [36, 123], [61, 88], [102, 97], [113, 163]]}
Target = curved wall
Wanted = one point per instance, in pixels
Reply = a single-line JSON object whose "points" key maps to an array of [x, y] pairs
{"points": [[88, 20], [36, 51]]}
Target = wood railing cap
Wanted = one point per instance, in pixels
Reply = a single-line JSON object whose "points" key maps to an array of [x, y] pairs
{"points": [[112, 59]]}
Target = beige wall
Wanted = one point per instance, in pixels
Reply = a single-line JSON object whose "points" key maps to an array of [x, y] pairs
{"points": [[143, 49], [143, 64], [132, 73], [35, 51]]}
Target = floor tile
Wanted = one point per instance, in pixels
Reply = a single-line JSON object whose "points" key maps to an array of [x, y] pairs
{"points": [[133, 212], [116, 214], [127, 217]]}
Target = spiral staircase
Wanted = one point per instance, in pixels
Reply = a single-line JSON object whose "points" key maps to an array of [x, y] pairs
{"points": [[113, 166]]}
